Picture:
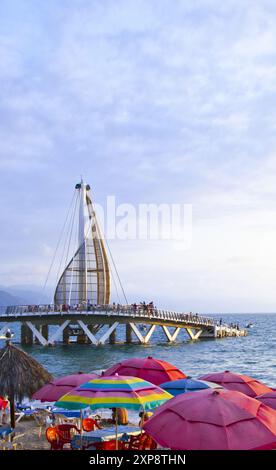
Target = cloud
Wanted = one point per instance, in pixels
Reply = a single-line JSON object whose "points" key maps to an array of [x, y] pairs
{"points": [[152, 103]]}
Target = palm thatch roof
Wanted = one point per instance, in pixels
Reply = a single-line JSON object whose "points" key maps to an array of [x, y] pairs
{"points": [[20, 374]]}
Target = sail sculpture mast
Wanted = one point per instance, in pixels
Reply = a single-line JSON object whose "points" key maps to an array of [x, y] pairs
{"points": [[86, 278]]}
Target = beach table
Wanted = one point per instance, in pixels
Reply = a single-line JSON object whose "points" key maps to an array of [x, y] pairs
{"points": [[101, 435]]}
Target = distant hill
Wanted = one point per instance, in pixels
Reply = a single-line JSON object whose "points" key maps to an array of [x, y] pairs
{"points": [[9, 299], [23, 295]]}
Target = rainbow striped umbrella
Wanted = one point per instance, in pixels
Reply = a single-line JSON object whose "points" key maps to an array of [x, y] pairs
{"points": [[115, 392]]}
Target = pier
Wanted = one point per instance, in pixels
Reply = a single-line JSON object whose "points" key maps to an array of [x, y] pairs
{"points": [[86, 324], [85, 283]]}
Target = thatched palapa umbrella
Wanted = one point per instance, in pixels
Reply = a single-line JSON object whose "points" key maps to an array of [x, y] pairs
{"points": [[20, 375]]}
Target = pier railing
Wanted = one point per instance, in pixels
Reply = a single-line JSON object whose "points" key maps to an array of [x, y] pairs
{"points": [[141, 312]]}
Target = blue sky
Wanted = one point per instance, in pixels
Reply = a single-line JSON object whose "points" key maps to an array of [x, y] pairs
{"points": [[152, 101]]}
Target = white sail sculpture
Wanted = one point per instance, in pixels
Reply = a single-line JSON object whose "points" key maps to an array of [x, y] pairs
{"points": [[86, 278]]}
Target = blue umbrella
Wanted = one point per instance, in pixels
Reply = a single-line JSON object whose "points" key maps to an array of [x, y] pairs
{"points": [[176, 387]]}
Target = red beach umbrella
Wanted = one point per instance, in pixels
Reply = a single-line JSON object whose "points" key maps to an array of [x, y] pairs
{"points": [[150, 369], [268, 399], [213, 420], [59, 387], [238, 382]]}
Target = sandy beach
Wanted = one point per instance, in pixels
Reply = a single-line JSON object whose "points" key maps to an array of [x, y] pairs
{"points": [[28, 436]]}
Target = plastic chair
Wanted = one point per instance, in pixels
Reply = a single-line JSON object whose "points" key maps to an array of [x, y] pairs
{"points": [[141, 442], [148, 443], [60, 435], [65, 433], [134, 442], [52, 437], [106, 445], [89, 424]]}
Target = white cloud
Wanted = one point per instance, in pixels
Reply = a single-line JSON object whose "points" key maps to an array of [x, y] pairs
{"points": [[155, 104]]}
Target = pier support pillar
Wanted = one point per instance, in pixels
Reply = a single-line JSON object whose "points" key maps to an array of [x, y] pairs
{"points": [[58, 333], [66, 335], [137, 333], [128, 334], [82, 339], [209, 332], [142, 339], [149, 333], [36, 333], [112, 337], [36, 341], [107, 334], [89, 333], [4, 329], [171, 337], [26, 335], [43, 330], [193, 335], [93, 330]]}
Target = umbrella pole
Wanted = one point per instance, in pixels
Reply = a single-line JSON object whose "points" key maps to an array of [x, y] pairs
{"points": [[81, 428], [142, 421], [116, 414], [12, 412]]}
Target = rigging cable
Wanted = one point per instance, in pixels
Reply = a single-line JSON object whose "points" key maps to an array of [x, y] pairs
{"points": [[93, 219], [73, 264], [112, 259], [58, 243], [118, 276], [64, 246]]}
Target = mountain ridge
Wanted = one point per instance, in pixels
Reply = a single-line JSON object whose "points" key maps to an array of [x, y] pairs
{"points": [[23, 295]]}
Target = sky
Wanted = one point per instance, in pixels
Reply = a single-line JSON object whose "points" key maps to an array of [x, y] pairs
{"points": [[152, 101]]}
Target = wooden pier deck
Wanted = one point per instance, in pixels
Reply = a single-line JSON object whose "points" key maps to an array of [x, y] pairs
{"points": [[87, 323]]}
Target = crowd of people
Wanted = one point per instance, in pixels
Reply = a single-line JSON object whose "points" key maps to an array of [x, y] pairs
{"points": [[141, 308]]}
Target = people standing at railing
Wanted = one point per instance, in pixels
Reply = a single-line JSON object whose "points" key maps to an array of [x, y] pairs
{"points": [[151, 307], [143, 306]]}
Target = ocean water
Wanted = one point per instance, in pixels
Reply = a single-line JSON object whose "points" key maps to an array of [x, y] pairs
{"points": [[254, 355]]}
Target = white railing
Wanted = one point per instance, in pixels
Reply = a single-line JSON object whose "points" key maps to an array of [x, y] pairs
{"points": [[136, 311]]}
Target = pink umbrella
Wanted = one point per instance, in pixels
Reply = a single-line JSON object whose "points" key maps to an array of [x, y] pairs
{"points": [[213, 420], [268, 399], [150, 369], [59, 387], [238, 382]]}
